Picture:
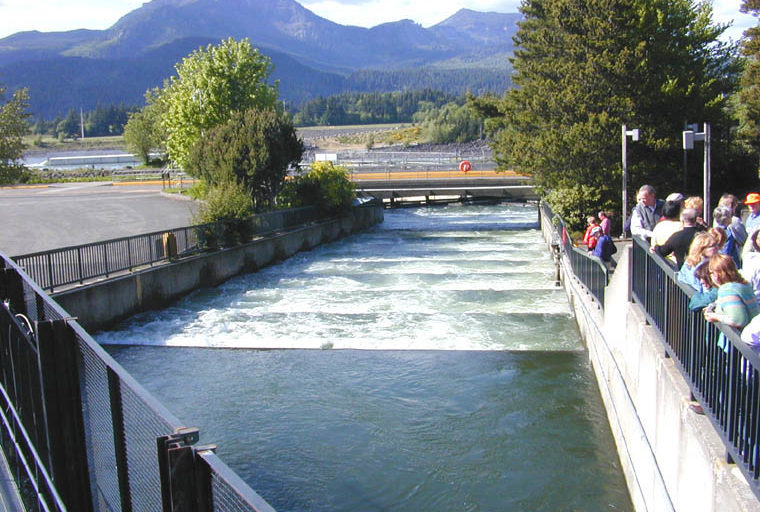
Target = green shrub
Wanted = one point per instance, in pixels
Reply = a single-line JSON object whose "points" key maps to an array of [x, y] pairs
{"points": [[326, 186], [226, 208]]}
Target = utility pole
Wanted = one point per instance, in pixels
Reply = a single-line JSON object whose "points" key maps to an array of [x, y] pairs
{"points": [[689, 138], [634, 134]]}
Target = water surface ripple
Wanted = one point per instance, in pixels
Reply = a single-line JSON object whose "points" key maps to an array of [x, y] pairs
{"points": [[494, 408]]}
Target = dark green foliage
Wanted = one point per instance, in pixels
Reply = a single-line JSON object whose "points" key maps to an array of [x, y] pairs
{"points": [[13, 127], [749, 93], [585, 68], [367, 108], [70, 126], [456, 81], [107, 120], [101, 122], [254, 149], [449, 123], [325, 186], [224, 215]]}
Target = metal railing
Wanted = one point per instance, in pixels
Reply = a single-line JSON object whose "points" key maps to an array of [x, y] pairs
{"points": [[77, 264], [590, 270], [104, 441], [721, 370]]}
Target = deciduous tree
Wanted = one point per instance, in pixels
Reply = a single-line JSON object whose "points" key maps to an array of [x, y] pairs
{"points": [[144, 130], [13, 127], [210, 85]]}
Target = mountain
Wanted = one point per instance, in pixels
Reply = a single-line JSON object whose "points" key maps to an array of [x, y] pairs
{"points": [[312, 56]]}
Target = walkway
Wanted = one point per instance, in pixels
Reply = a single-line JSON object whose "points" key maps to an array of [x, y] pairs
{"points": [[50, 217]]}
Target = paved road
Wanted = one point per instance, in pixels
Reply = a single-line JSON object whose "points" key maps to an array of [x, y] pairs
{"points": [[51, 217]]}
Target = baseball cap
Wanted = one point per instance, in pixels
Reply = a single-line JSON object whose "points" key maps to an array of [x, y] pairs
{"points": [[752, 198], [675, 197], [597, 230]]}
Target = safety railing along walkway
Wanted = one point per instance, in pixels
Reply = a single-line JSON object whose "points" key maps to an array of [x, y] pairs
{"points": [[81, 434], [78, 264], [590, 270], [721, 370]]}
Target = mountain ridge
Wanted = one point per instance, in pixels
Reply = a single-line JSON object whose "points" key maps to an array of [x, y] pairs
{"points": [[317, 55]]}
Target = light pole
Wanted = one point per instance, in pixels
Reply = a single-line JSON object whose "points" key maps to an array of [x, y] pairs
{"points": [[634, 135], [689, 137]]}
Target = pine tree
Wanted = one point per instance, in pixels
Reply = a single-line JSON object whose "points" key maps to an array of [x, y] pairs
{"points": [[585, 67], [749, 93]]}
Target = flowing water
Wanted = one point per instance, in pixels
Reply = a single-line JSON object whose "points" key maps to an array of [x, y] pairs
{"points": [[448, 373]]}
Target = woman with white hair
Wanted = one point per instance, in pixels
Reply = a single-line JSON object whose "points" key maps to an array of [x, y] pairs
{"points": [[735, 226], [723, 217], [751, 262]]}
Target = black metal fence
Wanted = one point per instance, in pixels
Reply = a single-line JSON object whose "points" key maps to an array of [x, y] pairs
{"points": [[590, 270], [721, 370], [73, 416], [77, 264]]}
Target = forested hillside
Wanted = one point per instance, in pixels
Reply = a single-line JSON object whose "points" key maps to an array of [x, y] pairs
{"points": [[312, 56]]}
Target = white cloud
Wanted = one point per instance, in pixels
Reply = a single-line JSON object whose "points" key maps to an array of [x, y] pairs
{"points": [[370, 13], [727, 11], [56, 15]]}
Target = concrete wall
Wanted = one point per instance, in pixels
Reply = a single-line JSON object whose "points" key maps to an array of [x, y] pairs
{"points": [[100, 305], [672, 458]]}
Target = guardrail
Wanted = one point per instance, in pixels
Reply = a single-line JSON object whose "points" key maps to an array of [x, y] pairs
{"points": [[77, 264], [725, 381], [104, 441], [590, 270]]}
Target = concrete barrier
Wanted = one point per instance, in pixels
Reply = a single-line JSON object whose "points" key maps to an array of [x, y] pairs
{"points": [[101, 305], [673, 459]]}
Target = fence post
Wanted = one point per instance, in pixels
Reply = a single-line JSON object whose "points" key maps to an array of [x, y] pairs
{"points": [[129, 253], [12, 288], [79, 265], [105, 258], [50, 271], [61, 396], [185, 479], [119, 440]]}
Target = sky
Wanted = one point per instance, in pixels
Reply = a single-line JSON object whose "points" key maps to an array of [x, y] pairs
{"points": [[60, 15]]}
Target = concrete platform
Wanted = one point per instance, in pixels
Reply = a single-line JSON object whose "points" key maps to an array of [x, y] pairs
{"points": [[50, 217]]}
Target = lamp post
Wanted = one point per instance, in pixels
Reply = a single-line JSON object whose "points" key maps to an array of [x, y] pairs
{"points": [[634, 135], [689, 138]]}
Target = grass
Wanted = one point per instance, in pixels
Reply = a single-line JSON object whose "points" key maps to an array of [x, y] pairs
{"points": [[48, 142], [406, 135], [342, 128]]}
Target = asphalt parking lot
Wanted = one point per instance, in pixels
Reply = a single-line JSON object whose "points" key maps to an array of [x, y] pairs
{"points": [[50, 217]]}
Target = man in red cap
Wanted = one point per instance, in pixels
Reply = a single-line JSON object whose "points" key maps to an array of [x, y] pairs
{"points": [[753, 221]]}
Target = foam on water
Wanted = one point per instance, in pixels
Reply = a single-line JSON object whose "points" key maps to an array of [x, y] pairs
{"points": [[451, 278]]}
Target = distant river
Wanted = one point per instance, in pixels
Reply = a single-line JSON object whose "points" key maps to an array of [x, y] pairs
{"points": [[430, 364]]}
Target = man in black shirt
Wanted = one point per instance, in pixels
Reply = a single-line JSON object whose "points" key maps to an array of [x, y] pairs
{"points": [[679, 242]]}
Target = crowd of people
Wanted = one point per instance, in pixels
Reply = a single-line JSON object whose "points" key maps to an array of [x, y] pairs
{"points": [[597, 238], [721, 261]]}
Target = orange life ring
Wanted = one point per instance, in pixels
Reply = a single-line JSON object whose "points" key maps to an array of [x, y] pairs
{"points": [[464, 166]]}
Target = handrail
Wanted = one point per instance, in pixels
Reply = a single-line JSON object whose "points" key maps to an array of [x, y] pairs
{"points": [[97, 433], [590, 270], [721, 370], [79, 263], [44, 488]]}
